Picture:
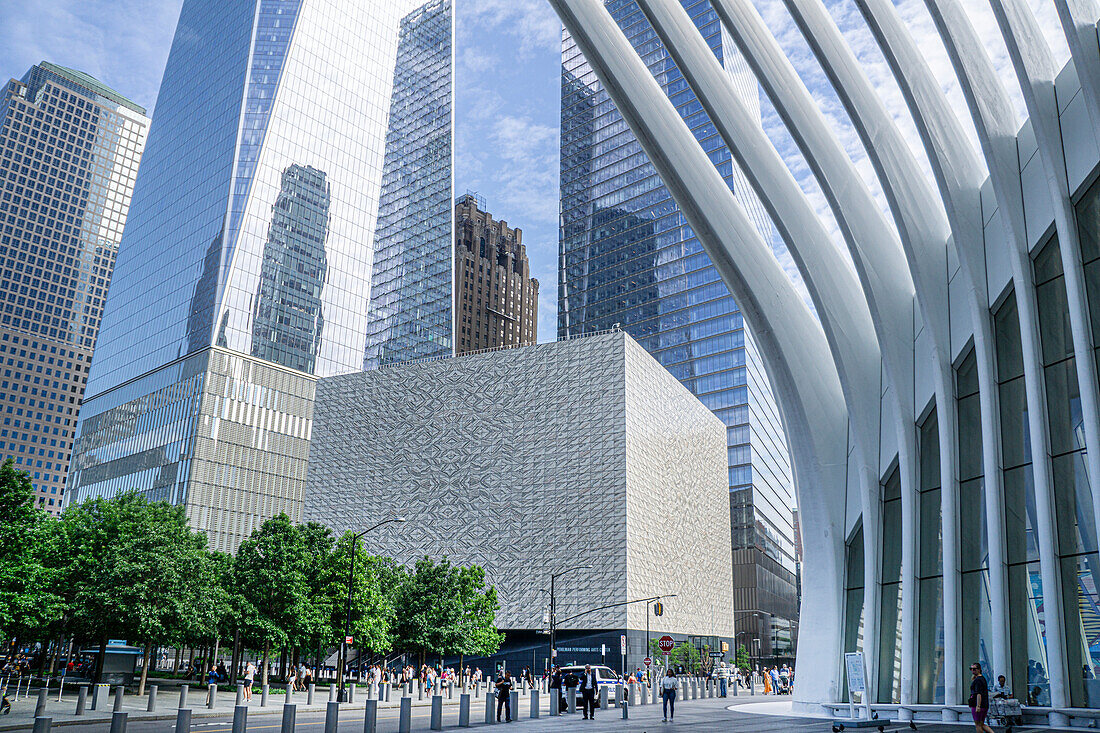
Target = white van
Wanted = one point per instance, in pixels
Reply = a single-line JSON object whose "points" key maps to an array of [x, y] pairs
{"points": [[604, 675]]}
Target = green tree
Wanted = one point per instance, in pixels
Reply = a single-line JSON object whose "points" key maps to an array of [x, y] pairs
{"points": [[743, 661], [446, 609], [683, 653], [270, 575], [28, 604], [126, 567]]}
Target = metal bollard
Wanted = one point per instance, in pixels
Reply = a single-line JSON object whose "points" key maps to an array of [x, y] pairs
{"points": [[289, 713], [752, 684], [118, 721], [571, 699], [419, 690], [42, 725], [309, 693], [119, 692], [81, 699], [152, 706], [626, 708], [40, 704], [211, 696], [437, 712], [464, 710], [99, 697], [404, 724], [451, 691], [351, 692], [655, 692], [370, 717], [644, 697], [240, 718], [332, 717], [240, 696], [183, 699], [534, 703], [388, 688], [332, 693], [264, 692], [289, 693], [183, 720]]}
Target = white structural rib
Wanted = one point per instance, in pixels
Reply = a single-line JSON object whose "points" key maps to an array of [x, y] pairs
{"points": [[926, 235], [1036, 71], [832, 284], [793, 345], [960, 177], [1078, 19]]}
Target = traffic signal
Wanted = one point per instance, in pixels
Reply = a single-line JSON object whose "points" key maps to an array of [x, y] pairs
{"points": [[725, 646], [658, 608]]}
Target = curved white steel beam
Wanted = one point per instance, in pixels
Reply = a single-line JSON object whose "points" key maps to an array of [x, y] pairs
{"points": [[792, 343], [926, 237], [958, 173], [883, 275], [1078, 19]]}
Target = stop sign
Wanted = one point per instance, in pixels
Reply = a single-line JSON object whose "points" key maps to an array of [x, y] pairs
{"points": [[665, 644]]}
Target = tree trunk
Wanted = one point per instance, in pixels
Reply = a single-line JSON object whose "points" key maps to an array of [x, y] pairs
{"points": [[318, 662], [267, 656], [191, 663], [236, 657], [100, 659], [214, 656], [282, 664], [145, 668], [179, 658]]}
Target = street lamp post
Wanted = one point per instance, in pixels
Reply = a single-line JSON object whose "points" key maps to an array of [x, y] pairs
{"points": [[344, 646], [554, 614]]}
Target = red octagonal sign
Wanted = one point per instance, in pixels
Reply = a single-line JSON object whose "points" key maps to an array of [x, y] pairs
{"points": [[666, 643]]}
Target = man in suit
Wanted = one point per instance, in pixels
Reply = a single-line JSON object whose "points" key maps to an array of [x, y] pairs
{"points": [[588, 692]]}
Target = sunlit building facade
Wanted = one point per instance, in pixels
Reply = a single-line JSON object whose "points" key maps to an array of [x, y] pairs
{"points": [[69, 153], [628, 258], [246, 270]]}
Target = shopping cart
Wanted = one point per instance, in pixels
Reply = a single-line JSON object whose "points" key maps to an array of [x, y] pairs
{"points": [[1005, 711]]}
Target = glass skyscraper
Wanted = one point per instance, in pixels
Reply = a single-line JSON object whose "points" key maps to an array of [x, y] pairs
{"points": [[628, 257], [246, 269], [69, 153]]}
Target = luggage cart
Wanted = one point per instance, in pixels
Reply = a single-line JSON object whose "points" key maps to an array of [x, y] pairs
{"points": [[1005, 711]]}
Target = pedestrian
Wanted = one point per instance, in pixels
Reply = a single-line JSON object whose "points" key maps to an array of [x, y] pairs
{"points": [[668, 694], [767, 682], [249, 677], [979, 699], [588, 692], [723, 678], [5, 703], [570, 680], [504, 696]]}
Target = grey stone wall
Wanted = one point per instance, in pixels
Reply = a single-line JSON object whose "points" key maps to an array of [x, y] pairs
{"points": [[518, 460]]}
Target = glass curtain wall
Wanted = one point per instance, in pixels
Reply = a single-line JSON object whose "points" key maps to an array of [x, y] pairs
{"points": [[1027, 631], [853, 598], [976, 611], [1076, 543], [930, 680], [889, 655]]}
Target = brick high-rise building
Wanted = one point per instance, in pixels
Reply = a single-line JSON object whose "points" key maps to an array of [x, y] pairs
{"points": [[69, 154], [496, 299]]}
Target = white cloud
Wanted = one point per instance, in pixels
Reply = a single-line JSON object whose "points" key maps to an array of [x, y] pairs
{"points": [[531, 24]]}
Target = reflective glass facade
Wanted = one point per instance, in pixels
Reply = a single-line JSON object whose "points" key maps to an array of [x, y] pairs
{"points": [[628, 257], [412, 314], [251, 234], [69, 153]]}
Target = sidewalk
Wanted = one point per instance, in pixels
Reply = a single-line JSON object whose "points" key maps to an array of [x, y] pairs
{"points": [[64, 712]]}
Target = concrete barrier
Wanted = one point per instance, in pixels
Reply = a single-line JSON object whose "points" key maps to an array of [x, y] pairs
{"points": [[183, 720], [264, 692], [42, 725], [310, 692], [351, 692], [603, 697], [535, 710], [404, 723], [332, 717], [211, 696], [571, 699], [240, 718], [555, 701], [81, 699], [119, 692], [370, 717], [289, 693], [151, 707], [644, 697], [437, 712], [290, 713], [490, 714], [464, 710], [40, 703], [118, 721], [99, 697], [513, 704]]}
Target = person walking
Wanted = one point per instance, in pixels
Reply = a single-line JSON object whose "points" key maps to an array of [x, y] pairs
{"points": [[723, 679], [588, 692], [668, 694], [504, 696], [979, 699], [249, 678]]}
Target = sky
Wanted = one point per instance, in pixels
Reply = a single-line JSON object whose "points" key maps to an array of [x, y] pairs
{"points": [[507, 92]]}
